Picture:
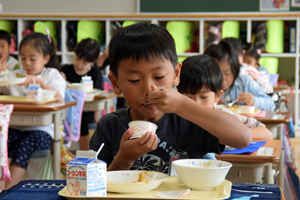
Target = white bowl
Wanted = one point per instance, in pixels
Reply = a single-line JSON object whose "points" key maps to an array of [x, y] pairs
{"points": [[127, 181], [140, 127], [247, 109], [48, 94], [82, 87], [201, 174]]}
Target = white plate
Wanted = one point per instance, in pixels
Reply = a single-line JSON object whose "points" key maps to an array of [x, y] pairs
{"points": [[4, 73], [13, 81], [126, 181]]}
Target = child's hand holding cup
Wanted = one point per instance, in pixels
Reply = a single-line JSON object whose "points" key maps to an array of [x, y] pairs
{"points": [[139, 128]]}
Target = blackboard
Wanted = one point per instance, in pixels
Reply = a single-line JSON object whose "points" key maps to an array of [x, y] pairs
{"points": [[201, 6]]}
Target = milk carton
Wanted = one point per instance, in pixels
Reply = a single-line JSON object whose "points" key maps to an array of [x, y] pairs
{"points": [[87, 80], [34, 92], [86, 175]]}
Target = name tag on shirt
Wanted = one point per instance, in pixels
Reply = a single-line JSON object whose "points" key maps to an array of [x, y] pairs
{"points": [[265, 151]]}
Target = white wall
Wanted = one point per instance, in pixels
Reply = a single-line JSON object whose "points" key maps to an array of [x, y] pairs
{"points": [[68, 6]]}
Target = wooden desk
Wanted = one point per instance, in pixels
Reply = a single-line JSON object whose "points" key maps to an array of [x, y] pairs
{"points": [[49, 189], [275, 117], [281, 88], [100, 102], [275, 121], [42, 115], [254, 161]]}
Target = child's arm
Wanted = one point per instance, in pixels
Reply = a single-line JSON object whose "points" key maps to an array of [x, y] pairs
{"points": [[132, 149], [261, 133], [258, 97], [258, 129], [229, 130], [31, 79]]}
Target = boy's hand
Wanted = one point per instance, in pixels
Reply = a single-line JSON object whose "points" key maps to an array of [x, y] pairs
{"points": [[247, 98], [3, 65], [164, 99], [132, 149]]}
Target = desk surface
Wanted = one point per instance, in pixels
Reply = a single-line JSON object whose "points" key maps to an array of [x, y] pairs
{"points": [[275, 117], [106, 95], [280, 88], [44, 107], [252, 157], [48, 189]]}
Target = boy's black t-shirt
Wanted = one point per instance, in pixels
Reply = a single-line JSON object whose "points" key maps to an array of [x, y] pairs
{"points": [[72, 77], [173, 132]]}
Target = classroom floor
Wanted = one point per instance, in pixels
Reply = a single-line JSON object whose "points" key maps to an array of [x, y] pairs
{"points": [[296, 148]]}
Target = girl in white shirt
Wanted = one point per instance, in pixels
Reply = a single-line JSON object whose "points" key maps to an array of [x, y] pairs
{"points": [[40, 65]]}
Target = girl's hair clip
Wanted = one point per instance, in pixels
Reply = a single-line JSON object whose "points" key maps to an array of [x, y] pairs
{"points": [[258, 51], [48, 34]]}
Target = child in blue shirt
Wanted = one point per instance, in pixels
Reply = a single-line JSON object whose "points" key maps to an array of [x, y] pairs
{"points": [[144, 67], [236, 86]]}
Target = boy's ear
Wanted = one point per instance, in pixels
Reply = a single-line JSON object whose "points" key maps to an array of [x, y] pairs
{"points": [[114, 81], [244, 52], [219, 96], [177, 74]]}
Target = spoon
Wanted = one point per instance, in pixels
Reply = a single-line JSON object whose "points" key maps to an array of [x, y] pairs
{"points": [[230, 104]]}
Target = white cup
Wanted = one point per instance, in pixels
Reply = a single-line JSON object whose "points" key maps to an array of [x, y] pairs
{"points": [[140, 127]]}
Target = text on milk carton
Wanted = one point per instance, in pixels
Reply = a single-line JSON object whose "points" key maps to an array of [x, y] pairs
{"points": [[86, 175]]}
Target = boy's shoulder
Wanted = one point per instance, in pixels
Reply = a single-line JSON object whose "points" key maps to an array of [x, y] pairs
{"points": [[66, 67], [121, 115]]}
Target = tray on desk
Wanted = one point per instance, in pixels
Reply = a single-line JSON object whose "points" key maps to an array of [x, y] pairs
{"points": [[223, 191], [7, 99]]}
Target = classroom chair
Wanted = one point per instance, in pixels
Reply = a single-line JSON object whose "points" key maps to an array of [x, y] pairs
{"points": [[72, 130]]}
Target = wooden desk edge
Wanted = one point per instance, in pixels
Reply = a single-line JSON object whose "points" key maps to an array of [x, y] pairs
{"points": [[43, 108], [244, 158], [106, 95], [279, 121]]}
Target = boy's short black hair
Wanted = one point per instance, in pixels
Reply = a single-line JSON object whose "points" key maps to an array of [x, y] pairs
{"points": [[251, 50], [236, 44], [88, 49], [225, 52], [199, 71], [141, 40], [5, 36]]}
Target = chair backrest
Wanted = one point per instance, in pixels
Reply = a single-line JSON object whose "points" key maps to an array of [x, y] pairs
{"points": [[72, 123]]}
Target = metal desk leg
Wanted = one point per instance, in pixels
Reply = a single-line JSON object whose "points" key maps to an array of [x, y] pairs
{"points": [[268, 174], [281, 160], [56, 147]]}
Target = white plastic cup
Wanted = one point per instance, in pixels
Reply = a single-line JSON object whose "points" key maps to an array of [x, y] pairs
{"points": [[140, 127]]}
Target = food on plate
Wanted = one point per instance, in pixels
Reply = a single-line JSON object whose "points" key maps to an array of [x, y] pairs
{"points": [[20, 75]]}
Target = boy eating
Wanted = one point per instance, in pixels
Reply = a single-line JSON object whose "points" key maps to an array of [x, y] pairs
{"points": [[144, 67], [201, 80]]}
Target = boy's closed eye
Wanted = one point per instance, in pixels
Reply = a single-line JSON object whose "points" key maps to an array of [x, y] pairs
{"points": [[160, 77], [134, 81]]}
